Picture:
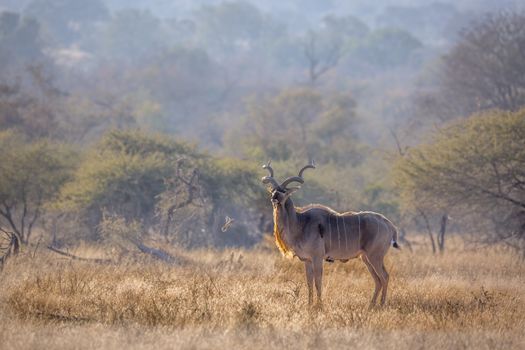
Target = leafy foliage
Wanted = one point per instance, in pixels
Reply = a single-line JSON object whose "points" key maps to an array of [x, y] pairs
{"points": [[153, 178], [232, 182], [424, 20], [301, 123], [20, 39], [32, 174], [388, 48], [474, 167], [129, 35], [482, 71], [124, 173], [236, 25], [64, 19]]}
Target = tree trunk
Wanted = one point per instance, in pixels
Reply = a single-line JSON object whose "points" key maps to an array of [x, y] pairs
{"points": [[442, 231], [167, 223], [429, 230], [15, 244]]}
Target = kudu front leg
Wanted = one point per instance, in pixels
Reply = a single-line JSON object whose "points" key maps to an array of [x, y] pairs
{"points": [[309, 267], [318, 277]]}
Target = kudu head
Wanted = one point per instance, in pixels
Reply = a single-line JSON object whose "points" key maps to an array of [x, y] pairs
{"points": [[281, 192]]}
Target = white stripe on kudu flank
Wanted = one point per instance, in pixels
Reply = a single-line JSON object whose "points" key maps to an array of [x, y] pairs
{"points": [[380, 220], [329, 234], [345, 234], [338, 233], [387, 228], [359, 229]]}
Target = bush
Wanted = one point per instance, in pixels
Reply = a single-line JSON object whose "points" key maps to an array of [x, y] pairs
{"points": [[123, 174], [166, 185]]}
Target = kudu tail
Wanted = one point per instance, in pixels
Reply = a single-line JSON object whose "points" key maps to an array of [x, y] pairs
{"points": [[394, 238]]}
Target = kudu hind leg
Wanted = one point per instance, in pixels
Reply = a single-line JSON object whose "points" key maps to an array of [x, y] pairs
{"points": [[376, 278], [385, 284], [310, 280], [377, 264]]}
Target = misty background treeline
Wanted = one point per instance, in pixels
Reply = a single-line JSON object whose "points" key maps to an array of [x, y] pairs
{"points": [[139, 122]]}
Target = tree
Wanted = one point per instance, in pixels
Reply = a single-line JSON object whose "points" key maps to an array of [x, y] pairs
{"points": [[123, 174], [185, 81], [32, 108], [387, 48], [20, 40], [300, 123], [349, 27], [234, 26], [324, 48], [474, 171], [484, 70], [426, 21], [131, 34], [321, 54], [65, 19], [31, 176]]}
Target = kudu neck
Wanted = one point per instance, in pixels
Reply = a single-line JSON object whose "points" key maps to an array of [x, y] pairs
{"points": [[288, 218]]}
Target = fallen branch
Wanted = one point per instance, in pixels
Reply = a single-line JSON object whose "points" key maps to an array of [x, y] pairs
{"points": [[75, 257], [157, 253]]}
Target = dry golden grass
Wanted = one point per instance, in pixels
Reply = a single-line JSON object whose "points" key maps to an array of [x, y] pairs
{"points": [[256, 299]]}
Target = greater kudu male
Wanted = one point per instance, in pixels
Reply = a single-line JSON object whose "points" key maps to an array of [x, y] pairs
{"points": [[316, 233]]}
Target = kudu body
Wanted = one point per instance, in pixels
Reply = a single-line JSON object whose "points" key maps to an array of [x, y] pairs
{"points": [[316, 233]]}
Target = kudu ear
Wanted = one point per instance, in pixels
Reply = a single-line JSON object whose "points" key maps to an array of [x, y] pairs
{"points": [[288, 193]]}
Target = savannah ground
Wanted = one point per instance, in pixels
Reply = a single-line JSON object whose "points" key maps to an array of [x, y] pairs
{"points": [[466, 298]]}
